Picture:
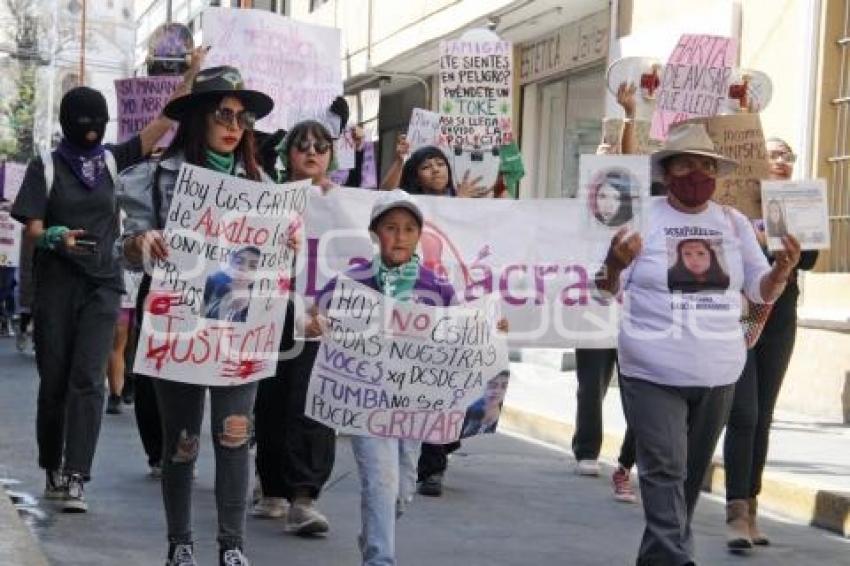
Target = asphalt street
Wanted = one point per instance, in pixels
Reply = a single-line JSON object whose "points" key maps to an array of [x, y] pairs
{"points": [[507, 502]]}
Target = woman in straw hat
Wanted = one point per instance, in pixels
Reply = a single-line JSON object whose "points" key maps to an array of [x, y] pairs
{"points": [[681, 351], [216, 121]]}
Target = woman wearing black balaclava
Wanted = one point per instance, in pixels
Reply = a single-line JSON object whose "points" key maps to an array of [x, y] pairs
{"points": [[67, 203]]}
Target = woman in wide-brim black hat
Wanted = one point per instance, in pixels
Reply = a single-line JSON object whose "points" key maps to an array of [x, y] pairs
{"points": [[216, 131]]}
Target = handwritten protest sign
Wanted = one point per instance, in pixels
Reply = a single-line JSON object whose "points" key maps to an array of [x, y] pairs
{"points": [[297, 64], [798, 208], [515, 249], [695, 81], [217, 303], [344, 148], [424, 129], [10, 240], [402, 370], [475, 93], [13, 178], [480, 166], [739, 137], [140, 101]]}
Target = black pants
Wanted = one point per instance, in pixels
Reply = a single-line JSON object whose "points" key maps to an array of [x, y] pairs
{"points": [[74, 325], [295, 454], [746, 442], [676, 430], [145, 405], [594, 369], [434, 458]]}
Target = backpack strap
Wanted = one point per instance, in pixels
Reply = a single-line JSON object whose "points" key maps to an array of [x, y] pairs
{"points": [[47, 162], [112, 165]]}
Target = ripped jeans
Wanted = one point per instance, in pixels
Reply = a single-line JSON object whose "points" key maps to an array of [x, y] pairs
{"points": [[182, 409]]}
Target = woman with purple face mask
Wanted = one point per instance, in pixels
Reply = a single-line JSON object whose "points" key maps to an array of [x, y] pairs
{"points": [[681, 350]]}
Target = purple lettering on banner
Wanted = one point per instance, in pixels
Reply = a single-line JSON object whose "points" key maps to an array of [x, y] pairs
{"points": [[140, 101]]}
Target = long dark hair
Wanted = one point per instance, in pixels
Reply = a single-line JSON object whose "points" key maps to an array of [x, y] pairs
{"points": [[621, 181], [191, 138], [299, 132], [680, 278], [410, 172]]}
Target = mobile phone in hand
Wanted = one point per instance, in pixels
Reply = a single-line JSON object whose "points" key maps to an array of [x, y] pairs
{"points": [[86, 243]]}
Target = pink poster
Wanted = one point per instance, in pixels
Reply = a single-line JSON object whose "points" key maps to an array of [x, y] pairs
{"points": [[140, 100], [695, 80]]}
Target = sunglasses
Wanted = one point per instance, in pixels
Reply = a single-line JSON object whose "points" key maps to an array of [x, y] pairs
{"points": [[682, 165], [227, 116], [783, 156], [321, 147]]}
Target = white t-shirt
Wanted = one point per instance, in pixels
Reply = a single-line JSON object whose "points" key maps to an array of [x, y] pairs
{"points": [[680, 322]]}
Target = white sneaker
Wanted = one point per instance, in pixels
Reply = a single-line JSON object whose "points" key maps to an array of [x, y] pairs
{"points": [[270, 508], [306, 520], [75, 501], [587, 468]]}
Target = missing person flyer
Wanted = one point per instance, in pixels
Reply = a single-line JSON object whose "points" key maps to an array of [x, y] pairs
{"points": [[798, 208]]}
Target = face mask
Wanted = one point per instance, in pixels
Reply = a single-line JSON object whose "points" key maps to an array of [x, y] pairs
{"points": [[81, 111], [692, 190]]}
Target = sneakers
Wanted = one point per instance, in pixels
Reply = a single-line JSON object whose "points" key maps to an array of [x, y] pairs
{"points": [[113, 405], [155, 471], [432, 486], [232, 557], [623, 490], [305, 519], [55, 485], [74, 501], [22, 342], [181, 555], [587, 468], [269, 508]]}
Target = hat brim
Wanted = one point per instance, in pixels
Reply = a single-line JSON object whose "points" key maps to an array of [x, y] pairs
{"points": [[257, 102], [409, 206], [725, 165]]}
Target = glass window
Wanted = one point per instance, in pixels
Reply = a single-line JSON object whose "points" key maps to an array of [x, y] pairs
{"points": [[270, 5], [571, 111], [315, 4]]}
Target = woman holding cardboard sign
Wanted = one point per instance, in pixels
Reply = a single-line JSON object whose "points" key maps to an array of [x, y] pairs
{"points": [[295, 454], [746, 441], [681, 350], [215, 132]]}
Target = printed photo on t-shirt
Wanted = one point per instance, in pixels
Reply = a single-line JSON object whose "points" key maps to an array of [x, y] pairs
{"points": [[696, 265]]}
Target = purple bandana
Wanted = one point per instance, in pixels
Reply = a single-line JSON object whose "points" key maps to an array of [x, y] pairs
{"points": [[88, 166]]}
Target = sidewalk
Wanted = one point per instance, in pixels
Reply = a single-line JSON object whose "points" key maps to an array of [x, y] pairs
{"points": [[17, 543], [808, 469]]}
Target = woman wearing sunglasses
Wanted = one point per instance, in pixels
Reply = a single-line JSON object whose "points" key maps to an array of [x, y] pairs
{"points": [[295, 454], [215, 132]]}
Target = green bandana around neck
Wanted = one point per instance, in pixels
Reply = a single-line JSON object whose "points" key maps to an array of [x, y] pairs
{"points": [[221, 162], [397, 282]]}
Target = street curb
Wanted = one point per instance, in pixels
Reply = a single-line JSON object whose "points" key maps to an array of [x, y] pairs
{"points": [[17, 543], [825, 509]]}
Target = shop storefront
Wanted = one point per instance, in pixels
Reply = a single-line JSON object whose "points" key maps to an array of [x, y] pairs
{"points": [[562, 76]]}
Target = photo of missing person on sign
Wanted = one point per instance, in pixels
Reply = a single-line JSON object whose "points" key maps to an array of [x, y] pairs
{"points": [[696, 266], [227, 293], [482, 416]]}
